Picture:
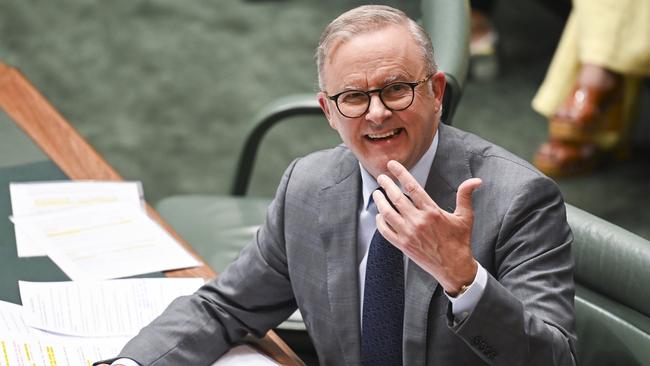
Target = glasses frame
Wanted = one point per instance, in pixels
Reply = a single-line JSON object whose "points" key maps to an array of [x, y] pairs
{"points": [[379, 91]]}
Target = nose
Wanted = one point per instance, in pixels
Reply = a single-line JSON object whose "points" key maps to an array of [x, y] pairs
{"points": [[377, 111]]}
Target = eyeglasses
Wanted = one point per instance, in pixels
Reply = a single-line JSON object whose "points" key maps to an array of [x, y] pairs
{"points": [[395, 97]]}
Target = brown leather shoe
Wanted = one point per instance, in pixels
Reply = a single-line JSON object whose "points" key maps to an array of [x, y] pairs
{"points": [[562, 159], [586, 111]]}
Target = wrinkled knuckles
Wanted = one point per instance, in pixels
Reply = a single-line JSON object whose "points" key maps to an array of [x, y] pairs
{"points": [[421, 225], [410, 233], [411, 187], [431, 215], [400, 201], [390, 216]]}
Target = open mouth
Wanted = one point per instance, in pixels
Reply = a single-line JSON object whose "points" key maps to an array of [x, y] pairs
{"points": [[385, 135]]}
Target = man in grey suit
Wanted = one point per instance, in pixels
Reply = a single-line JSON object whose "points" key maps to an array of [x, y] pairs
{"points": [[484, 273]]}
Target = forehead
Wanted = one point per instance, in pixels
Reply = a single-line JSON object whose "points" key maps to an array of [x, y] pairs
{"points": [[374, 58]]}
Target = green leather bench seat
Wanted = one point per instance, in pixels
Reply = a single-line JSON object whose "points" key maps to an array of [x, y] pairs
{"points": [[612, 297], [217, 227], [610, 333], [611, 260]]}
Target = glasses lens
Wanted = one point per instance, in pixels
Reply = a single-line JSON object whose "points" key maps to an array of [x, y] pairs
{"points": [[397, 96], [353, 103]]}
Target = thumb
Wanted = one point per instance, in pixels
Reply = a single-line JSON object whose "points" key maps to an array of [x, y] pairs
{"points": [[464, 197]]}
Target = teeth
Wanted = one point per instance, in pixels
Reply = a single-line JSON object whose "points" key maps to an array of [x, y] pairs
{"points": [[384, 135]]}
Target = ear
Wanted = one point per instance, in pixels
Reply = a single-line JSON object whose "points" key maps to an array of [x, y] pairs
{"points": [[324, 105], [438, 83]]}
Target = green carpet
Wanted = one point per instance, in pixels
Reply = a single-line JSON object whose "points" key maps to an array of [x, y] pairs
{"points": [[166, 90]]}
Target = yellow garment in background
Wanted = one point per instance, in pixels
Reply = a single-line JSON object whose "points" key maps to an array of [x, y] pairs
{"points": [[614, 34]]}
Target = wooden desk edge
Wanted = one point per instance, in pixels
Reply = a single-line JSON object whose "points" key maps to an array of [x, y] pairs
{"points": [[31, 111]]}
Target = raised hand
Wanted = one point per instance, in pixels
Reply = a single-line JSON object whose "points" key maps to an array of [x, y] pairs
{"points": [[438, 241]]}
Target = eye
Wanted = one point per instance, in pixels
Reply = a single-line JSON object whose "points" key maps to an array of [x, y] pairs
{"points": [[353, 97], [396, 90]]}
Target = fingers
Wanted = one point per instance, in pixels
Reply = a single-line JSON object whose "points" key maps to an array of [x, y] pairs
{"points": [[464, 196], [386, 211], [387, 231], [411, 186], [395, 195]]}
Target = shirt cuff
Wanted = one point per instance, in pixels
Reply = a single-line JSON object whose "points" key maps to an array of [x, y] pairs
{"points": [[125, 362], [464, 304]]}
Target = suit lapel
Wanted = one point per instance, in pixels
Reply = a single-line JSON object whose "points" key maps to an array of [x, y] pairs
{"points": [[338, 218], [450, 168]]}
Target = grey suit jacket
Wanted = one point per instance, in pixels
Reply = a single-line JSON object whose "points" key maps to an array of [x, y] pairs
{"points": [[305, 255]]}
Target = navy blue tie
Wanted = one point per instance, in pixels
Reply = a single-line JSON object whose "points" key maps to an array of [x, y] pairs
{"points": [[383, 304]]}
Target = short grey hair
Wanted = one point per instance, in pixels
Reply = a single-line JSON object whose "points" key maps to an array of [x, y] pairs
{"points": [[365, 19]]}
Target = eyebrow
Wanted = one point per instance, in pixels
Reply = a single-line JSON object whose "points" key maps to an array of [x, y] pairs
{"points": [[387, 80], [392, 79]]}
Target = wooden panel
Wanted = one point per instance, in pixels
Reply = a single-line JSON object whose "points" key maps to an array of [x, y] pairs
{"points": [[27, 107]]}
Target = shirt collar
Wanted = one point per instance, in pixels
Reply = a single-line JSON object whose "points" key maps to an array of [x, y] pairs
{"points": [[420, 172]]}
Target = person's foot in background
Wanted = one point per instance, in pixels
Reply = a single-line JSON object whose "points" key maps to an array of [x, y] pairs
{"points": [[588, 127]]}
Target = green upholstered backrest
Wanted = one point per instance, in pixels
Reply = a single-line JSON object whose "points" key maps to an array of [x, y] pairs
{"points": [[612, 295], [611, 260], [447, 22], [449, 32], [217, 227]]}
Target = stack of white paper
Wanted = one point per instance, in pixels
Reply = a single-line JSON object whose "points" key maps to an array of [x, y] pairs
{"points": [[78, 323], [23, 345], [32, 351], [92, 231], [12, 320], [32, 198], [101, 308], [93, 234]]}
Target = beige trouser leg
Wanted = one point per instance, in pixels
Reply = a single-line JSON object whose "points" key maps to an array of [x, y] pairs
{"points": [[612, 33]]}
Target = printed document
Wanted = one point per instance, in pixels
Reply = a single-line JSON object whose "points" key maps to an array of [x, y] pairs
{"points": [[34, 351], [106, 241], [41, 197], [12, 320], [100, 308], [22, 345]]}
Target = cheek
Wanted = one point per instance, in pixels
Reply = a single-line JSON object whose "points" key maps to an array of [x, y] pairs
{"points": [[346, 129], [344, 134]]}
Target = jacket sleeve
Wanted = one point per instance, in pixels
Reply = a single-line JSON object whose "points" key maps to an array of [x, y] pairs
{"points": [[526, 313], [252, 295]]}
